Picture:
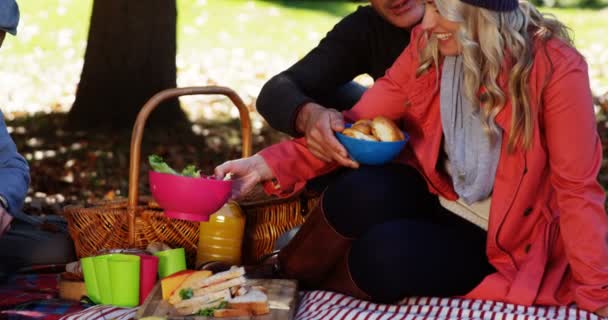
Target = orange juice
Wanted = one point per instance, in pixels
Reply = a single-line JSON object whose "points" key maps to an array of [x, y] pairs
{"points": [[221, 237]]}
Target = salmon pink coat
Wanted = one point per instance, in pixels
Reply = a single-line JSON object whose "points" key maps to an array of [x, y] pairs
{"points": [[548, 231]]}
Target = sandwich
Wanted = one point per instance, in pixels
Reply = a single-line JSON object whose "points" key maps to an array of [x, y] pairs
{"points": [[184, 290], [201, 295]]}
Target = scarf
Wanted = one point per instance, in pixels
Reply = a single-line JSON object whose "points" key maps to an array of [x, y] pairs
{"points": [[473, 158]]}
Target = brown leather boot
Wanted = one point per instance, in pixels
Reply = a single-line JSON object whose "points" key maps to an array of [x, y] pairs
{"points": [[314, 250], [340, 280]]}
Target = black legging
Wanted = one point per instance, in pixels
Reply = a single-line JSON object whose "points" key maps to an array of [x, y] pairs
{"points": [[406, 244]]}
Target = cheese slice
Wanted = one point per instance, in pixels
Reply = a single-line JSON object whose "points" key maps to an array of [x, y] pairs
{"points": [[189, 284], [170, 283]]}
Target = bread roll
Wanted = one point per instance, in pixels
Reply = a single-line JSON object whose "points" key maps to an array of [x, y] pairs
{"points": [[358, 135], [385, 130], [364, 126], [363, 121]]}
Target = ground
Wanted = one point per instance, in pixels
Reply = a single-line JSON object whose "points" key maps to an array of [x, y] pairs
{"points": [[80, 167]]}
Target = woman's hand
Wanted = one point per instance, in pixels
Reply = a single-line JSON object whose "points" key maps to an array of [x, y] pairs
{"points": [[246, 173], [603, 312]]}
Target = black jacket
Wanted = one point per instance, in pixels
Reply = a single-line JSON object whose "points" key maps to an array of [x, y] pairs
{"points": [[361, 43]]}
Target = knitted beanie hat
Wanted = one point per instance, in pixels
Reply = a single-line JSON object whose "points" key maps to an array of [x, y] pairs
{"points": [[9, 16], [495, 5]]}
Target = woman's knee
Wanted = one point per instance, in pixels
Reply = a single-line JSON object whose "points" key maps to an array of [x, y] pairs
{"points": [[409, 257]]}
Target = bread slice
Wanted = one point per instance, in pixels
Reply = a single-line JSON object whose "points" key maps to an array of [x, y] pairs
{"points": [[255, 308], [255, 301], [220, 286], [386, 130], [188, 283], [225, 313], [204, 299], [233, 272], [192, 309]]}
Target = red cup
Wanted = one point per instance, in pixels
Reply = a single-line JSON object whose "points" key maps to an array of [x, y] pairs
{"points": [[147, 275]]}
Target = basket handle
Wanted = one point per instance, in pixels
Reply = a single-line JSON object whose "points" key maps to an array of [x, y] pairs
{"points": [[140, 122]]}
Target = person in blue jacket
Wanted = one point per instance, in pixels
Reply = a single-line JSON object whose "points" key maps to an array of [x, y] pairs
{"points": [[24, 240], [14, 171]]}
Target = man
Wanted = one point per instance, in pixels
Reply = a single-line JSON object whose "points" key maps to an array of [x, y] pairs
{"points": [[305, 99], [298, 101], [14, 171]]}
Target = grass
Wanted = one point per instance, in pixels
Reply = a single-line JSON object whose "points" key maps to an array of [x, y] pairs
{"points": [[290, 31], [58, 28], [291, 28], [588, 25]]}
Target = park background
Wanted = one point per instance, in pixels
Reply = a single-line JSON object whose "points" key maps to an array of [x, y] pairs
{"points": [[234, 43]]}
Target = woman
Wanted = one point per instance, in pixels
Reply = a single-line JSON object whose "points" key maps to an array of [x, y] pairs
{"points": [[503, 203]]}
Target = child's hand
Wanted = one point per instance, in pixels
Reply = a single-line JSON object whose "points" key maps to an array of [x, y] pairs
{"points": [[245, 174]]}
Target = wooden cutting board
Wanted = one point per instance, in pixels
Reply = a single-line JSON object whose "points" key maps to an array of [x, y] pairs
{"points": [[282, 298]]}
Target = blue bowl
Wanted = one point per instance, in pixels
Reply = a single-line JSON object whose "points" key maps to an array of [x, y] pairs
{"points": [[371, 152]]}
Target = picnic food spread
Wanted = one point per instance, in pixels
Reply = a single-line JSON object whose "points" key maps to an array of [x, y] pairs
{"points": [[378, 129], [223, 294]]}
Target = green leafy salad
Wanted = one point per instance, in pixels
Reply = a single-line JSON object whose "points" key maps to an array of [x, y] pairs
{"points": [[159, 165]]}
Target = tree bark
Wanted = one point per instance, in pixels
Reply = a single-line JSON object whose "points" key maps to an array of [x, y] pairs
{"points": [[130, 56]]}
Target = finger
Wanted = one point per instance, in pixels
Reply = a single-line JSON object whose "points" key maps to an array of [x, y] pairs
{"points": [[337, 121], [318, 152], [346, 162], [242, 189], [319, 136], [332, 143], [220, 171], [235, 195], [320, 155], [233, 166]]}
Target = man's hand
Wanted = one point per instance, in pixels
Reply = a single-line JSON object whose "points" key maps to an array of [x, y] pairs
{"points": [[318, 125], [246, 173], [5, 221]]}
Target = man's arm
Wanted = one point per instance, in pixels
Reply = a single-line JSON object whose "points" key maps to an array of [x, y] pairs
{"points": [[14, 171], [342, 55]]}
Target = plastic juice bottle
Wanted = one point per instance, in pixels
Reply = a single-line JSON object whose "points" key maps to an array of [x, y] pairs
{"points": [[221, 237]]}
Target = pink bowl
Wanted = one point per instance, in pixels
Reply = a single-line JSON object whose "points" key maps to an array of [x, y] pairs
{"points": [[186, 198]]}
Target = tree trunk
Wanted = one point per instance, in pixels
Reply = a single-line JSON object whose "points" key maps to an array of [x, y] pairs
{"points": [[130, 56]]}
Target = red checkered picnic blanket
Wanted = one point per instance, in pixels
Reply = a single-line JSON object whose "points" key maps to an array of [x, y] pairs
{"points": [[34, 297]]}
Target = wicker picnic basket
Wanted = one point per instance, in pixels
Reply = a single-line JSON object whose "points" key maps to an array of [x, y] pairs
{"points": [[134, 223]]}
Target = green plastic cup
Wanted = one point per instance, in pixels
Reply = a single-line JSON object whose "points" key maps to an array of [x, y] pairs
{"points": [[171, 261], [90, 279], [102, 273], [124, 279]]}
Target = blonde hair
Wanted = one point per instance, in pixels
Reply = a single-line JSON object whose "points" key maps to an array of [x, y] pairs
{"points": [[484, 35]]}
